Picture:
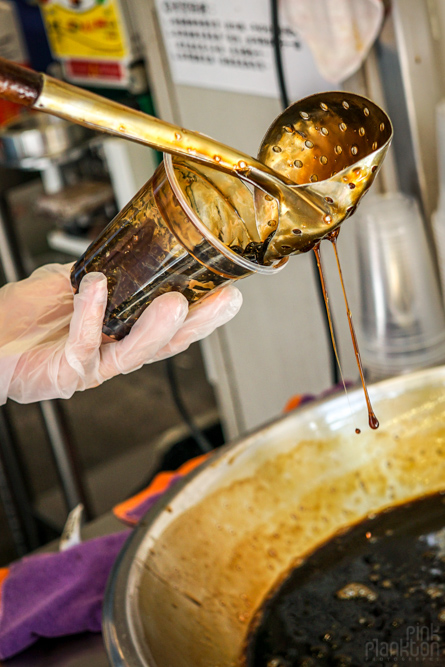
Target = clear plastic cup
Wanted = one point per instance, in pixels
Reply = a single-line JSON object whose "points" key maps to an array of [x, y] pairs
{"points": [[402, 320], [181, 232]]}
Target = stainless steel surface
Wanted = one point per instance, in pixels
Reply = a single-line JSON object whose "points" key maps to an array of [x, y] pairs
{"points": [[65, 456], [32, 140], [203, 560], [8, 247], [423, 88]]}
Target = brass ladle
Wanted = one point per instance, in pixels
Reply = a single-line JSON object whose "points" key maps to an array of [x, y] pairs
{"points": [[300, 205], [331, 145]]}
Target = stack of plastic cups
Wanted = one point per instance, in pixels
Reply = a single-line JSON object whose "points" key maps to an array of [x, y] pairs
{"points": [[402, 319], [438, 219]]}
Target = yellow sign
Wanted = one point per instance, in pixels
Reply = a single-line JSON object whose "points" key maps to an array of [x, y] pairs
{"points": [[84, 28]]}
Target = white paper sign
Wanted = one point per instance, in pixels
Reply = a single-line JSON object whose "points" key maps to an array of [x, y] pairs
{"points": [[227, 45]]}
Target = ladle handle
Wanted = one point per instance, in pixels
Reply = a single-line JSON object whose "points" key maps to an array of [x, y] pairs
{"points": [[42, 92], [19, 84]]}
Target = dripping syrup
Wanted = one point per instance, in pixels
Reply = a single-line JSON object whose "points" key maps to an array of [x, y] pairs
{"points": [[328, 310], [372, 418]]}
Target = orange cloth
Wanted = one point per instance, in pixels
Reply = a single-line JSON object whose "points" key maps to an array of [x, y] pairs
{"points": [[4, 571], [293, 402], [160, 484]]}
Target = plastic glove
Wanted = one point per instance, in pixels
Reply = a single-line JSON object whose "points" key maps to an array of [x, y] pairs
{"points": [[51, 340]]}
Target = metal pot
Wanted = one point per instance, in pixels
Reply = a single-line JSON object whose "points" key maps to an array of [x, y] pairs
{"points": [[29, 141], [197, 570]]}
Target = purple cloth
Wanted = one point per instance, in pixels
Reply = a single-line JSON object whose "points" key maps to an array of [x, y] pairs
{"points": [[335, 389], [56, 594]]}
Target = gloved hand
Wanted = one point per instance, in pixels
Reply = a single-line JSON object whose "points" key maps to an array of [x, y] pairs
{"points": [[51, 340]]}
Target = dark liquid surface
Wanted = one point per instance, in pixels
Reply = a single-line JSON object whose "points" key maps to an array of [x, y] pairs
{"points": [[372, 596]]}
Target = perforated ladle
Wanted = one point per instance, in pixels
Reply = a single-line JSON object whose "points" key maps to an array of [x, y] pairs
{"points": [[331, 146], [299, 204]]}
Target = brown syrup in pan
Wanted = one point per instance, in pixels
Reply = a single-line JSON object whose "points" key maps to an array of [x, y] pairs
{"points": [[374, 595]]}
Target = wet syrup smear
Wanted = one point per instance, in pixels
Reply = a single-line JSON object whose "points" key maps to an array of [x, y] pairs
{"points": [[372, 596]]}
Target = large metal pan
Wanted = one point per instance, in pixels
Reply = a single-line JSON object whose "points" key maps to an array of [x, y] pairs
{"points": [[204, 559]]}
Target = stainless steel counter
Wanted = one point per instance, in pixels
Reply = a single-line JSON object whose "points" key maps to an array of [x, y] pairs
{"points": [[86, 650]]}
